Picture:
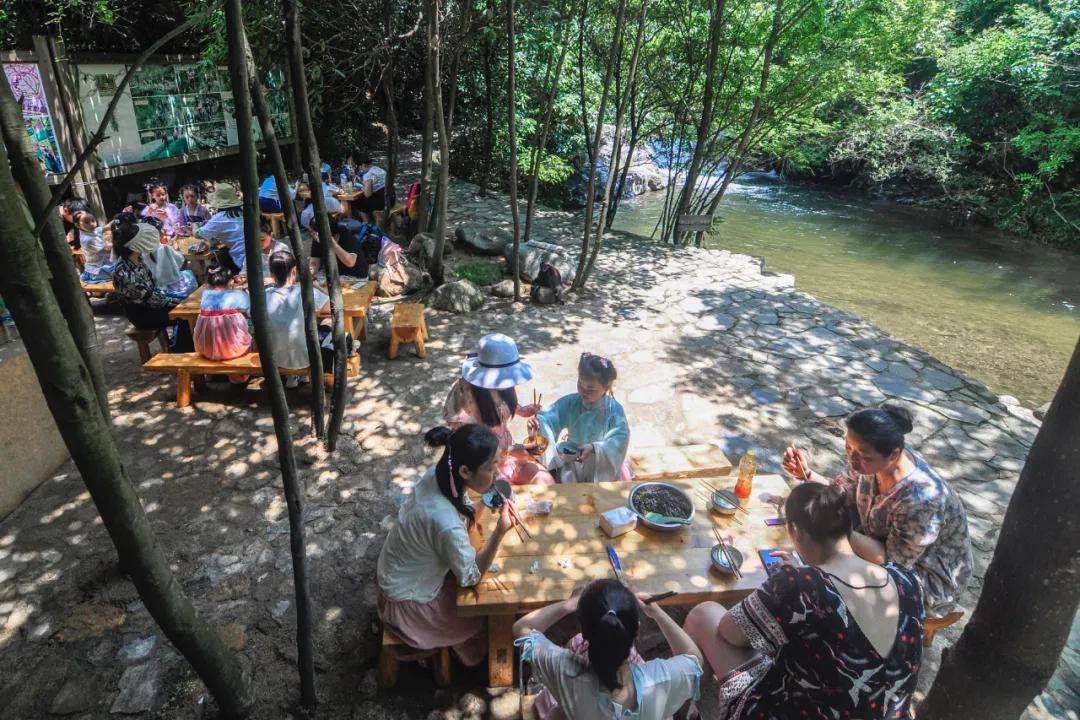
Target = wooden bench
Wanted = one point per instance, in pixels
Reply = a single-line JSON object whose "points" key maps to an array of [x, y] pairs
{"points": [[277, 223], [143, 338], [678, 461], [394, 651], [188, 366], [408, 326], [98, 289], [932, 625]]}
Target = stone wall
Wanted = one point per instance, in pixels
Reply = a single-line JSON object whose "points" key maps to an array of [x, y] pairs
{"points": [[30, 445]]}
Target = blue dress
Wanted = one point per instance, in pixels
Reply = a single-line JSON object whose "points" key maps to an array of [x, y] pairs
{"points": [[602, 425]]}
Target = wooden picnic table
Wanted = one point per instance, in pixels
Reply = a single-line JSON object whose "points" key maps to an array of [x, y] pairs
{"points": [[356, 300], [570, 548]]}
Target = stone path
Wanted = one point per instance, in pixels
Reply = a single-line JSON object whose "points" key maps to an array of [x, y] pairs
{"points": [[707, 347]]}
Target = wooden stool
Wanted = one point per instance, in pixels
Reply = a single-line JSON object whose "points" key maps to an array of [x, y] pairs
{"points": [[143, 338], [277, 223], [408, 326], [395, 651], [932, 625]]}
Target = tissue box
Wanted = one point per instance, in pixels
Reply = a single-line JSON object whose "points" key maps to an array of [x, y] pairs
{"points": [[618, 521]]}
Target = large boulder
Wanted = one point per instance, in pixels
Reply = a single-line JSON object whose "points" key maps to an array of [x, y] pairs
{"points": [[460, 296], [488, 241], [422, 248], [533, 253], [645, 174]]}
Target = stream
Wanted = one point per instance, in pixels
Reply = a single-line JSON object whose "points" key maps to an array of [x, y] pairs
{"points": [[1003, 310]]}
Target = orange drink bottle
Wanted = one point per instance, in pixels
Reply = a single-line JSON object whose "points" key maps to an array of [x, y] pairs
{"points": [[747, 469]]}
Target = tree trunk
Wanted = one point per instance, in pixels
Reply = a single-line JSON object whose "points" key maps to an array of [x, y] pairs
{"points": [[1011, 646], [581, 80], [489, 117], [394, 134], [455, 61], [87, 435], [716, 22], [424, 219], [636, 122], [305, 133], [443, 192], [543, 131], [620, 115], [303, 267], [64, 277], [594, 154], [511, 124]]}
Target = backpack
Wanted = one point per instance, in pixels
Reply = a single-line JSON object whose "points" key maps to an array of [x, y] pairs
{"points": [[412, 205], [548, 276]]}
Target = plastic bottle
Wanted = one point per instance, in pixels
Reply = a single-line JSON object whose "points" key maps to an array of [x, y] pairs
{"points": [[747, 469]]}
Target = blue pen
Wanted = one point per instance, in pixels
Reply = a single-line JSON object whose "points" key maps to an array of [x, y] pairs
{"points": [[615, 564]]}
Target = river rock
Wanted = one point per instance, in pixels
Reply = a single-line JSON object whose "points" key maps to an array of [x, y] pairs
{"points": [[140, 690], [533, 253], [643, 176], [460, 296], [1040, 412], [505, 289], [489, 241]]}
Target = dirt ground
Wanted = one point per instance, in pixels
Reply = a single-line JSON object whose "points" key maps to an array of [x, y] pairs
{"points": [[708, 348]]}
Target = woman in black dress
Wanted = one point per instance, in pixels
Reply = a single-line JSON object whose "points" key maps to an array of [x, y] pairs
{"points": [[838, 637]]}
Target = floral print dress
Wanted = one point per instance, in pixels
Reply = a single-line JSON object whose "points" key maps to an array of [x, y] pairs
{"points": [[924, 527], [815, 662]]}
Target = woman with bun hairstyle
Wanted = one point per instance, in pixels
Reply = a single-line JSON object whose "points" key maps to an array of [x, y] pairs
{"points": [[839, 637], [427, 554], [600, 676], [901, 509]]}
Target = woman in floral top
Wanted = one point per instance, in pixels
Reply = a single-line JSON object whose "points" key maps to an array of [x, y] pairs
{"points": [[839, 637], [902, 510]]}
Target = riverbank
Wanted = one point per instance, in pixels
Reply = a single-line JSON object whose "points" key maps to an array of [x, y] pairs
{"points": [[707, 347]]}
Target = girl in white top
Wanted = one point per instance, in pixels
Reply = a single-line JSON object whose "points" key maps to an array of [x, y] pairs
{"points": [[427, 554], [601, 677]]}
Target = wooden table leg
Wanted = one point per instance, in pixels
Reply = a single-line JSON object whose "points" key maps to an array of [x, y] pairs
{"points": [[500, 650], [395, 341], [420, 352]]}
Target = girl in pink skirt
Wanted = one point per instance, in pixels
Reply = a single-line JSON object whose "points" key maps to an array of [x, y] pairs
{"points": [[221, 332], [427, 554]]}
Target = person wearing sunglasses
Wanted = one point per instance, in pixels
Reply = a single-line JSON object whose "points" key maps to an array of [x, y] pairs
{"points": [[903, 511]]}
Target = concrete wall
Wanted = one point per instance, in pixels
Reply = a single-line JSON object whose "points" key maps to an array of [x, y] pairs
{"points": [[30, 445]]}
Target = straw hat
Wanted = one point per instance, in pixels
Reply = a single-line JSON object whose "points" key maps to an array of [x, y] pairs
{"points": [[224, 196], [496, 365]]}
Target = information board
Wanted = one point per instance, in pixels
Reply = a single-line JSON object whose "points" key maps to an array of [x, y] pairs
{"points": [[169, 110]]}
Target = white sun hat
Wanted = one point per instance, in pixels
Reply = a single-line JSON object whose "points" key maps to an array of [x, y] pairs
{"points": [[496, 365]]}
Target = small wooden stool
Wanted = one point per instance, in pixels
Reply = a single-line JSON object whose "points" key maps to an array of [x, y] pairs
{"points": [[143, 338], [395, 651], [932, 625], [277, 223], [408, 326]]}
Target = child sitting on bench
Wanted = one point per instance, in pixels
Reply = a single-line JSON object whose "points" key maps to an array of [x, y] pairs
{"points": [[221, 332]]}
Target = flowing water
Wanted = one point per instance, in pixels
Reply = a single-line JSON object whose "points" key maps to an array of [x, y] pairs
{"points": [[1003, 310]]}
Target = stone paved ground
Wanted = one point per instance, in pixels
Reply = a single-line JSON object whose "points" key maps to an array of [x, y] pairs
{"points": [[708, 349]]}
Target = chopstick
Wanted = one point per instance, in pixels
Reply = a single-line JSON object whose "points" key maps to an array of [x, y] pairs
{"points": [[516, 514], [661, 596], [738, 505], [708, 499], [723, 549]]}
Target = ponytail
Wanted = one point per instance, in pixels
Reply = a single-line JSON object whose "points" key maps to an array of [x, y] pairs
{"points": [[608, 615], [469, 446]]}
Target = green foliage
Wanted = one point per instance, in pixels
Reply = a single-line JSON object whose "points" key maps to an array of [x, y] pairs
{"points": [[480, 273]]}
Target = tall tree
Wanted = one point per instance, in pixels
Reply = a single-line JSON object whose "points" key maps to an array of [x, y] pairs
{"points": [[1011, 646], [428, 140], [86, 433], [511, 126], [489, 112], [620, 116], [299, 249], [305, 133], [442, 192], [594, 153], [64, 277]]}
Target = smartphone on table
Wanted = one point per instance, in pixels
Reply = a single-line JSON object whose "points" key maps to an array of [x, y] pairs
{"points": [[770, 561]]}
